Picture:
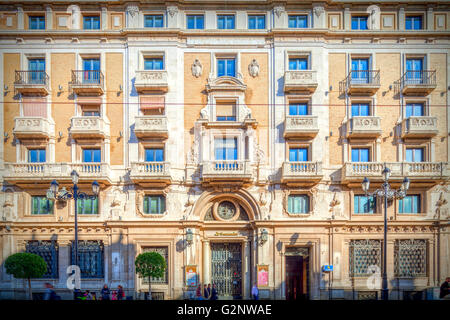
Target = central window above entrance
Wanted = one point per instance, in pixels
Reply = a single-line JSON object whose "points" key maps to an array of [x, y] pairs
{"points": [[226, 210]]}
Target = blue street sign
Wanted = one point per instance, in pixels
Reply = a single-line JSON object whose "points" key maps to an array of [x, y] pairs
{"points": [[327, 268]]}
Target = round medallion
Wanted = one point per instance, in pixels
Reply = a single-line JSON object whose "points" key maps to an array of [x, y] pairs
{"points": [[226, 210]]}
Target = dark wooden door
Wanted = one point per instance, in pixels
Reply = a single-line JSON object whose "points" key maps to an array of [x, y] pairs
{"points": [[296, 277]]}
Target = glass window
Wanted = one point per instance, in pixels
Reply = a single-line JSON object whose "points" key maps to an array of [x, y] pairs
{"points": [[91, 68], [36, 22], [90, 258], [360, 109], [257, 22], [154, 204], [298, 154], [360, 155], [225, 22], [363, 254], [415, 155], [87, 206], [364, 204], [91, 22], [90, 113], [414, 71], [48, 250], [414, 110], [41, 205], [36, 68], [91, 155], [153, 21], [298, 63], [154, 154], [195, 22], [36, 155], [298, 203], [409, 204], [153, 64], [298, 109], [225, 148], [359, 23], [226, 67], [360, 74], [298, 21], [413, 23], [226, 111]]}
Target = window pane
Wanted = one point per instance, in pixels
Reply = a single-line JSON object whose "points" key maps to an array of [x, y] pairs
{"points": [[364, 204], [298, 204], [409, 155]]}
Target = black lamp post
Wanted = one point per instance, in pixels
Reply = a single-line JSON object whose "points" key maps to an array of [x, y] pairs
{"points": [[387, 193]]}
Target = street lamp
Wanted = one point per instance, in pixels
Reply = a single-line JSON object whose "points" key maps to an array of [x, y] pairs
{"points": [[189, 237], [387, 193]]}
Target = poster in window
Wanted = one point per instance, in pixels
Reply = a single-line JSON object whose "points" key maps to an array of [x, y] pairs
{"points": [[263, 276], [191, 276]]}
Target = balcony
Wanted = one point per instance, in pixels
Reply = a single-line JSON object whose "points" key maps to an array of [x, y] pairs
{"points": [[151, 80], [32, 83], [151, 126], [89, 127], [89, 82], [300, 81], [150, 173], [418, 83], [301, 127], [364, 127], [32, 127], [226, 171], [362, 82], [301, 173], [419, 127]]}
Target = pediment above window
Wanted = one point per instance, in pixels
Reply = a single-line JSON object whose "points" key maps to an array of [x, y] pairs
{"points": [[225, 83]]}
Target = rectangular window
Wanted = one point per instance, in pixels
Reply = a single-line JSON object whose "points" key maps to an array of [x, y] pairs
{"points": [[225, 22], [154, 155], [415, 110], [363, 254], [87, 206], [257, 22], [298, 203], [410, 258], [409, 204], [154, 204], [92, 155], [413, 23], [360, 154], [360, 74], [298, 63], [90, 258], [91, 71], [48, 250], [153, 21], [415, 155], [364, 204], [36, 155], [37, 71], [359, 23], [298, 109], [89, 113], [225, 148], [298, 154], [298, 21], [153, 64], [41, 205], [360, 109], [36, 22], [91, 22], [195, 22], [226, 111], [414, 71], [226, 67]]}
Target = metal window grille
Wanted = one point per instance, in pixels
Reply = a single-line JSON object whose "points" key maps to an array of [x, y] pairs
{"points": [[90, 258], [367, 295], [363, 254], [48, 250], [410, 258], [164, 251]]}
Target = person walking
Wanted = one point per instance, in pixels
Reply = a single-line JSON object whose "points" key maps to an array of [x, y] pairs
{"points": [[255, 292], [105, 292], [445, 289], [88, 295], [120, 293], [209, 291], [205, 292], [49, 292], [214, 292], [198, 293]]}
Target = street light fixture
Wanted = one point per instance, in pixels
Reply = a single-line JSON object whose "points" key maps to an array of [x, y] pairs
{"points": [[264, 236], [189, 236]]}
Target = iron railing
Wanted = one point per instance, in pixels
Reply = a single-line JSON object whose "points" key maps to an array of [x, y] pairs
{"points": [[87, 77], [363, 77], [420, 77], [39, 78]]}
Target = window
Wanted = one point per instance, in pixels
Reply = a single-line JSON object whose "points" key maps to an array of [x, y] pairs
{"points": [[225, 22], [415, 155], [410, 258], [91, 113], [409, 204], [154, 204], [225, 148], [195, 22], [91, 70], [298, 63], [415, 110], [226, 67], [298, 21], [360, 154], [91, 155], [364, 204], [154, 155], [153, 21], [153, 64], [360, 68], [226, 111], [363, 254], [360, 109], [413, 23], [91, 22], [164, 252], [48, 250], [36, 22], [41, 205], [36, 68], [90, 258], [414, 71], [359, 23], [257, 22], [298, 109], [298, 203], [298, 154], [36, 155], [87, 206]]}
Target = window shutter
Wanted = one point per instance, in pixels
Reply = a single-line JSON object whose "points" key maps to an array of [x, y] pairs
{"points": [[34, 107]]}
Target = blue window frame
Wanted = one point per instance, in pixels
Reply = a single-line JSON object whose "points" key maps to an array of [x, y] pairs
{"points": [[153, 21], [36, 68], [415, 110], [360, 109], [154, 204], [154, 155], [359, 23], [298, 203], [36, 22], [298, 154], [415, 155], [36, 155], [225, 148], [91, 70], [91, 114], [414, 71], [226, 67], [360, 72], [91, 155], [225, 22], [91, 22], [360, 155], [153, 64], [90, 258], [87, 206], [413, 23], [257, 22], [195, 21], [298, 109], [298, 64], [298, 21], [364, 204], [409, 204], [41, 205]]}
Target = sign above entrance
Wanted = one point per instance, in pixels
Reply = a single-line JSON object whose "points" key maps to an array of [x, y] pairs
{"points": [[223, 234], [327, 268]]}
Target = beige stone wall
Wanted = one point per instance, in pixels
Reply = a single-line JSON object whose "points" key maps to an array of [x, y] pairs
{"points": [[3, 21]]}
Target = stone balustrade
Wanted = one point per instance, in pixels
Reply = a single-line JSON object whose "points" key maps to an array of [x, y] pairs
{"points": [[89, 126], [303, 172], [423, 126], [151, 126], [364, 126], [227, 170], [301, 126], [300, 80], [155, 171], [31, 127], [151, 80]]}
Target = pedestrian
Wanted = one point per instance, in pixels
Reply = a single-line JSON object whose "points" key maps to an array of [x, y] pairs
{"points": [[49, 292], [205, 292], [88, 295], [198, 293], [120, 292], [105, 292], [445, 289], [255, 292], [114, 295], [209, 291], [214, 292]]}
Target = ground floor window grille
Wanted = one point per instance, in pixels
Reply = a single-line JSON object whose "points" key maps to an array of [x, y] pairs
{"points": [[410, 258], [367, 295], [90, 258], [164, 251], [363, 255], [48, 250]]}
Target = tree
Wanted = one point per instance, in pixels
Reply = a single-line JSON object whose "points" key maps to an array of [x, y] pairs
{"points": [[151, 265], [26, 265]]}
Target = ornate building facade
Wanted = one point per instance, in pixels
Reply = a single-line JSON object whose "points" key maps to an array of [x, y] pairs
{"points": [[232, 138]]}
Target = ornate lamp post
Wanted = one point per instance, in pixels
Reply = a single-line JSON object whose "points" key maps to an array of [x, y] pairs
{"points": [[75, 194], [387, 193]]}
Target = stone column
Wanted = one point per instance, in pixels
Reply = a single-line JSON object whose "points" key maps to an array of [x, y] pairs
{"points": [[401, 18], [378, 150], [433, 150], [104, 18], [247, 270], [347, 18], [206, 262], [48, 17], [20, 18]]}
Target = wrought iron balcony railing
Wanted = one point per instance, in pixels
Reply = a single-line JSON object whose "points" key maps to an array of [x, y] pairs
{"points": [[31, 81], [87, 81], [420, 77], [361, 81]]}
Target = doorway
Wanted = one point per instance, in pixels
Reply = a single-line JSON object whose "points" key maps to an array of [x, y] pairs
{"points": [[226, 269], [297, 274]]}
